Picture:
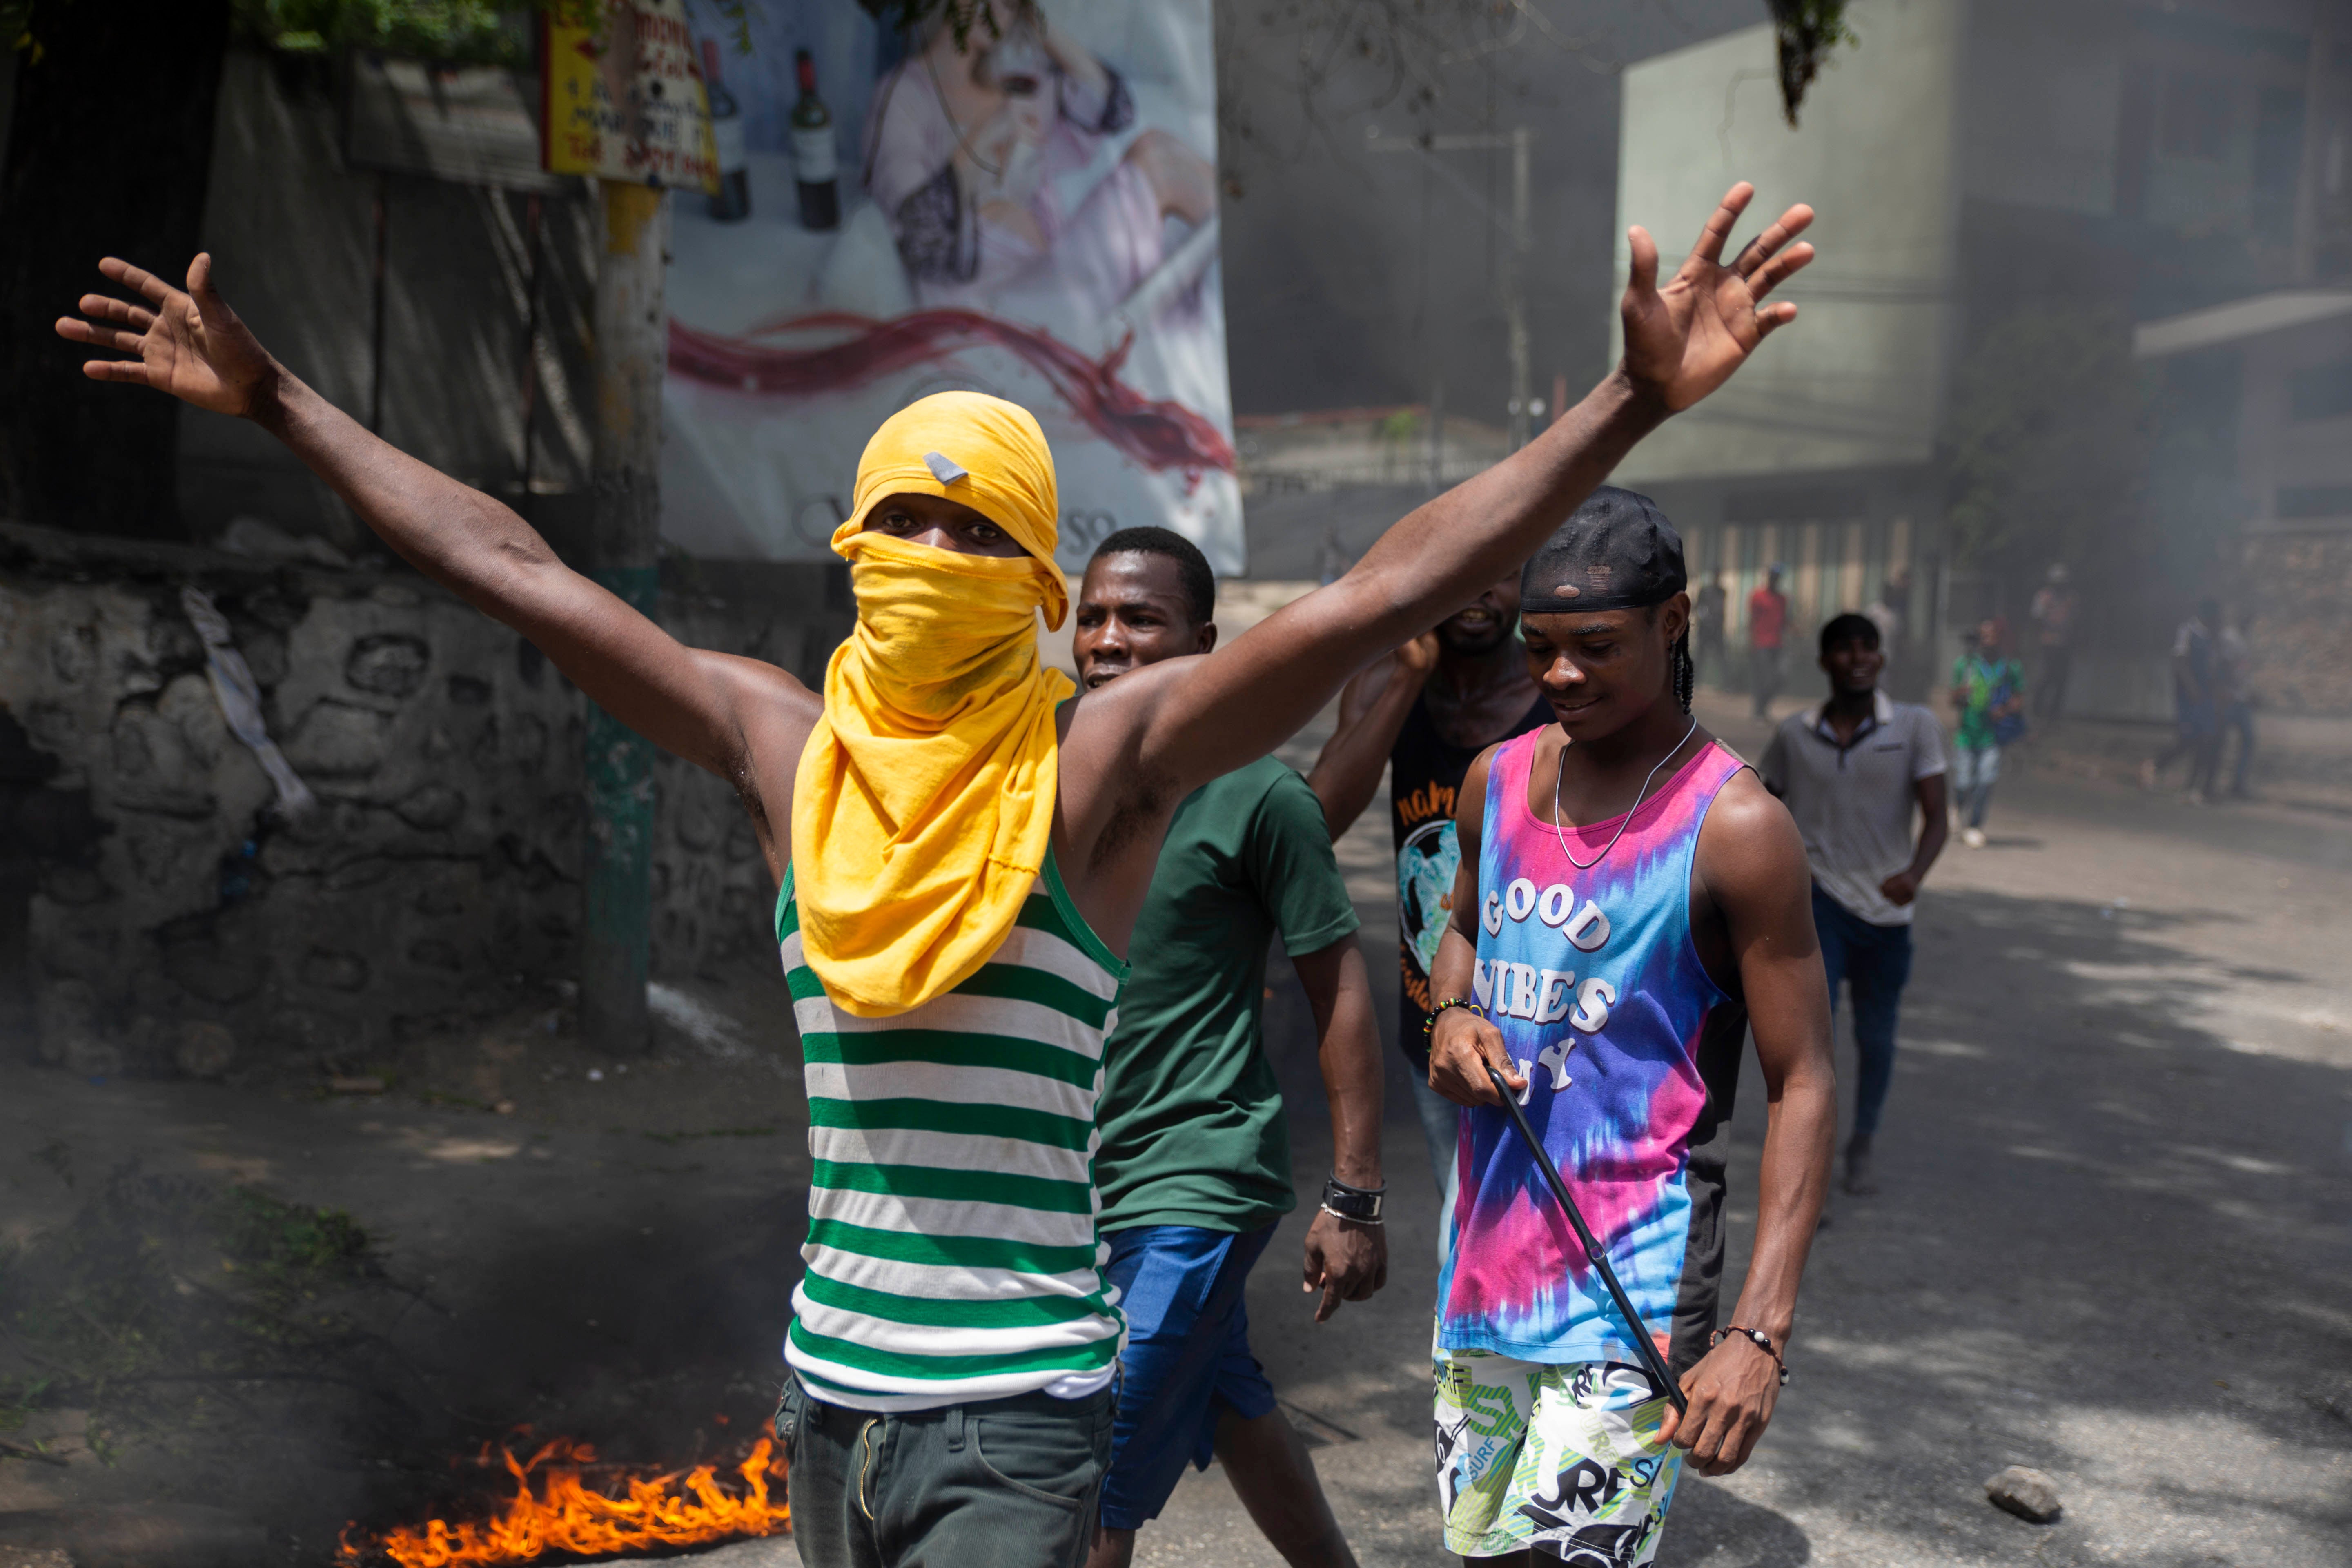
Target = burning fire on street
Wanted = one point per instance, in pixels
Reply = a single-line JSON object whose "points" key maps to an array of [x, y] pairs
{"points": [[569, 1516]]}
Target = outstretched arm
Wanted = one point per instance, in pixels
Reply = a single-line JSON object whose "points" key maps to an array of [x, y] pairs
{"points": [[193, 346], [1682, 340], [1077, 62], [1753, 877], [1372, 708]]}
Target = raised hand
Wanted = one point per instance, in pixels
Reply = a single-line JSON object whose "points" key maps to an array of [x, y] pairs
{"points": [[189, 344], [1684, 341]]}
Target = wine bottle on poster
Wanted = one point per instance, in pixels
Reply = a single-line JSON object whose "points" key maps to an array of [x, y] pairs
{"points": [[816, 165], [731, 203]]}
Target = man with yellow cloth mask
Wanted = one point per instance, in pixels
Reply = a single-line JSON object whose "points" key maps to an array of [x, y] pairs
{"points": [[962, 850]]}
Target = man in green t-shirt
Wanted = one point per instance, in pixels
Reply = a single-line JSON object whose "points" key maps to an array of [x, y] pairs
{"points": [[1194, 1162], [1988, 695]]}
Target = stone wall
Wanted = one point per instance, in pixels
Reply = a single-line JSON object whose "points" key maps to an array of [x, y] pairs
{"points": [[174, 922], [713, 901]]}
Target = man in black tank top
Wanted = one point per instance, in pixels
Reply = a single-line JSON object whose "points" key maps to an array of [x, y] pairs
{"points": [[1426, 710]]}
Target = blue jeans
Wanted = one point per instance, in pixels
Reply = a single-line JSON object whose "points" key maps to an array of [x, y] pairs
{"points": [[1875, 961], [1188, 1358], [1974, 770]]}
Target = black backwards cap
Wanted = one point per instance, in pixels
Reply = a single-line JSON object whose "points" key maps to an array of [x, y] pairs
{"points": [[1616, 551]]}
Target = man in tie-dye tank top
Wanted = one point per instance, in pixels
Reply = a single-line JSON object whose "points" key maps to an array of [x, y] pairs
{"points": [[1630, 900]]}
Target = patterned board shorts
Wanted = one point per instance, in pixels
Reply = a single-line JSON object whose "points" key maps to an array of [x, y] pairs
{"points": [[1565, 1459]]}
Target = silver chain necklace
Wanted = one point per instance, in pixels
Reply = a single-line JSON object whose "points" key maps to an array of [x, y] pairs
{"points": [[1628, 822]]}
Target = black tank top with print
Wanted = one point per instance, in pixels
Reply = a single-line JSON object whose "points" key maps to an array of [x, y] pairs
{"points": [[1426, 772]]}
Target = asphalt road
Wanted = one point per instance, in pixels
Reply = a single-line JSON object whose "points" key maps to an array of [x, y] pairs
{"points": [[2113, 1245], [2113, 1242]]}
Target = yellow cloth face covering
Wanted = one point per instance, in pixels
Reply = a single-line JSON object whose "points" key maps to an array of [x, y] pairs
{"points": [[923, 807]]}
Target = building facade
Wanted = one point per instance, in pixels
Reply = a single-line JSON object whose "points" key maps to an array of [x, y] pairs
{"points": [[1973, 160]]}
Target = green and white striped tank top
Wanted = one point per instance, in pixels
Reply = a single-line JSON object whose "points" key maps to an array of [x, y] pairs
{"points": [[953, 1251]]}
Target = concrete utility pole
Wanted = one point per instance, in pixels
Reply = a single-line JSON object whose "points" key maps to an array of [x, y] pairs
{"points": [[2324, 51], [1514, 285], [1437, 438], [1515, 291], [624, 554]]}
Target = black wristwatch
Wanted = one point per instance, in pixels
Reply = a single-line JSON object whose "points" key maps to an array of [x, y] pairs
{"points": [[1362, 1205]]}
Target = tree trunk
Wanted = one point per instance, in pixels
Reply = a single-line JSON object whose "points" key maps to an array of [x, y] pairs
{"points": [[107, 154]]}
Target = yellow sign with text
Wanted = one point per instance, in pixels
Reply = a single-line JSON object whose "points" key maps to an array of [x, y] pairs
{"points": [[622, 97]]}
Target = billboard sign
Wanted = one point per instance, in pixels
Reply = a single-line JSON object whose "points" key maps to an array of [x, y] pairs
{"points": [[1029, 210]]}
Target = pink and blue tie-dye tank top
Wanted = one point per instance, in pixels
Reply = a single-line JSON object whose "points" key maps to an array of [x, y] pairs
{"points": [[1632, 1054]]}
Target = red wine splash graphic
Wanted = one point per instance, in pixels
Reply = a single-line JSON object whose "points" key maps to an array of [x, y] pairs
{"points": [[1158, 434]]}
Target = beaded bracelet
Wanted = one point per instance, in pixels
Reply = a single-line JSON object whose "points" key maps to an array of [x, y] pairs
{"points": [[1763, 1342], [1429, 1025]]}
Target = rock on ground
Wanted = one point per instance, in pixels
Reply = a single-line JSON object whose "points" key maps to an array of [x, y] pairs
{"points": [[2029, 1494]]}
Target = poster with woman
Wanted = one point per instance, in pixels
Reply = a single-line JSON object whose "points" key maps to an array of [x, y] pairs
{"points": [[1028, 208]]}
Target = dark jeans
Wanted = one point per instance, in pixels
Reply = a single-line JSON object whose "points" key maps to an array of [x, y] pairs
{"points": [[1875, 961], [2197, 738], [2050, 688], [2239, 717], [1764, 672], [997, 1483], [1714, 665]]}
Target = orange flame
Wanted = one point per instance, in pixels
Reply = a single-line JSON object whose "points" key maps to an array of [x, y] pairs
{"points": [[674, 1509]]}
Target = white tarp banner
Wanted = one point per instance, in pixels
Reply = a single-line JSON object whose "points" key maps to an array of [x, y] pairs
{"points": [[1030, 211]]}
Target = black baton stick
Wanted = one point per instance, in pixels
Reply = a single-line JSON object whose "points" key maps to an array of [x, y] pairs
{"points": [[1592, 1250]]}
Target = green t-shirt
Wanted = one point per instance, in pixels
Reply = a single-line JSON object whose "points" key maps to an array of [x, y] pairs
{"points": [[1190, 1115], [1982, 679]]}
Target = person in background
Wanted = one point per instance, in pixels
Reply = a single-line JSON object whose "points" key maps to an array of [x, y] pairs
{"points": [[1886, 613], [2235, 655], [2054, 608], [1195, 1160], [1424, 712], [1708, 612], [2196, 692], [1850, 772], [1988, 695], [1767, 620]]}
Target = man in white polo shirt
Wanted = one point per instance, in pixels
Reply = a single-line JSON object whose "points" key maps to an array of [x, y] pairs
{"points": [[1850, 772]]}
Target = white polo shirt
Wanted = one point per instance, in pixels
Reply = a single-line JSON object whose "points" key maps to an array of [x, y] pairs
{"points": [[1854, 802]]}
